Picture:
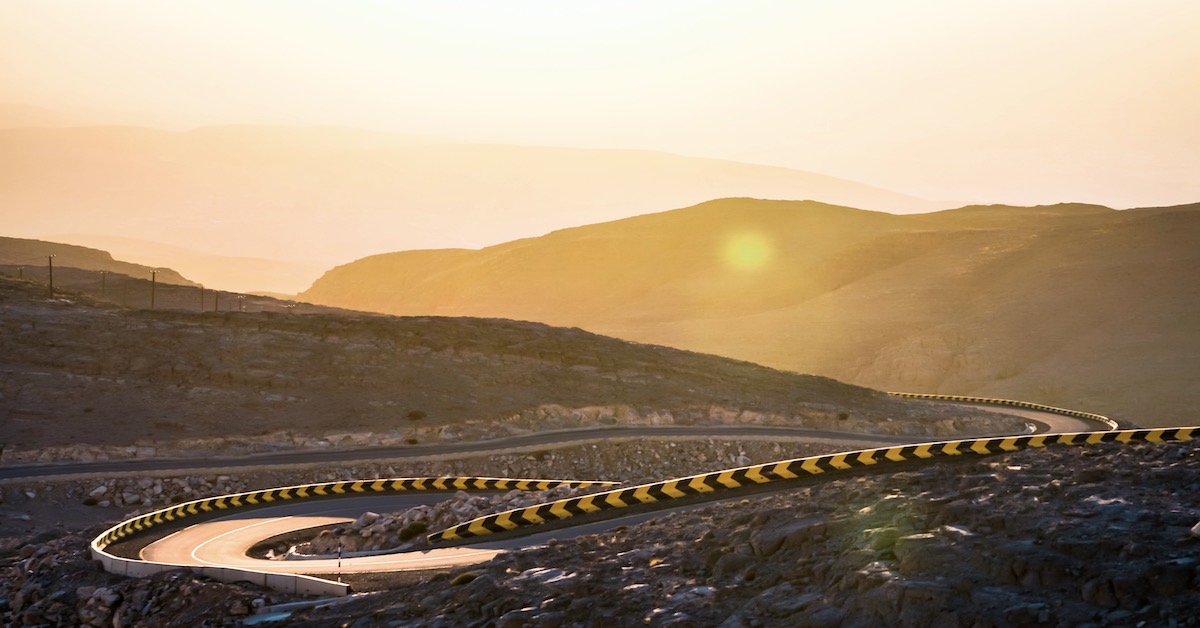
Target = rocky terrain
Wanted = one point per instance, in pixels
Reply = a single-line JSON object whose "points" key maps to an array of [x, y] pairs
{"points": [[1108, 536], [1099, 536], [129, 383], [373, 531], [45, 525], [29, 506], [1096, 536]]}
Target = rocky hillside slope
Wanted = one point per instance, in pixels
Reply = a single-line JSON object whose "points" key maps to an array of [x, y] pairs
{"points": [[79, 371], [1074, 305], [1104, 536]]}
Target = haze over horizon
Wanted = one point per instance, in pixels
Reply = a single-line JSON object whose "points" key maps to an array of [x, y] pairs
{"points": [[1009, 102], [939, 102]]}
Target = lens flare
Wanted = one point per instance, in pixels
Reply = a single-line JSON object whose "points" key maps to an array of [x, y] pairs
{"points": [[747, 251]]}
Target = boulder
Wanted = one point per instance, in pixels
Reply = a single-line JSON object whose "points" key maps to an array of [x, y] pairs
{"points": [[364, 520]]}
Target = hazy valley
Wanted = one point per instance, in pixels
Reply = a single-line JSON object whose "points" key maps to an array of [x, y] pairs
{"points": [[266, 207]]}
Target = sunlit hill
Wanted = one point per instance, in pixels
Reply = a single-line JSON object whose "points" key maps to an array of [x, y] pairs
{"points": [[1060, 303]]}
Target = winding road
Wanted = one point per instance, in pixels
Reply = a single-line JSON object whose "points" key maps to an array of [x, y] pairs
{"points": [[226, 541], [527, 442], [1046, 422]]}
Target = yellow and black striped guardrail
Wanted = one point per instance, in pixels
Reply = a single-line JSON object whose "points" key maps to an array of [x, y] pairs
{"points": [[730, 479], [1098, 418], [270, 496]]}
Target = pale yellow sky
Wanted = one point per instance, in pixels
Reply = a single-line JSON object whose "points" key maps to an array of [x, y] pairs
{"points": [[1017, 101]]}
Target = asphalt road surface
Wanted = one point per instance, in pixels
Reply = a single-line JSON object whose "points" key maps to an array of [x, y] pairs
{"points": [[226, 541], [536, 440]]}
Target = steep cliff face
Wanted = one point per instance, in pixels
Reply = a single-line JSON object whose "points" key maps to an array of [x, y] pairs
{"points": [[1068, 304]]}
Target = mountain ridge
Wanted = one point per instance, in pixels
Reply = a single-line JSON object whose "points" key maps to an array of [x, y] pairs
{"points": [[325, 195], [1075, 305], [32, 254]]}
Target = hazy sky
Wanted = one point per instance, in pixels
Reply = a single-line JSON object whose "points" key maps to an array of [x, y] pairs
{"points": [[988, 100]]}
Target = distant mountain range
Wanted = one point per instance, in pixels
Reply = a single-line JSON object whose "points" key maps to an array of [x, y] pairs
{"points": [[1078, 305], [28, 258], [96, 277], [304, 198], [242, 274]]}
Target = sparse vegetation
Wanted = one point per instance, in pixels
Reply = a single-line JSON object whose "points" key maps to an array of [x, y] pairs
{"points": [[412, 530], [463, 578]]}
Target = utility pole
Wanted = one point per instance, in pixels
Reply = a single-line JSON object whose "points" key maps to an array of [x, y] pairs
{"points": [[202, 298], [216, 300], [153, 285], [50, 259], [103, 284]]}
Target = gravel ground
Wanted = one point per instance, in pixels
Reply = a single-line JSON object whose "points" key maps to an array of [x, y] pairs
{"points": [[1094, 536], [1068, 537]]}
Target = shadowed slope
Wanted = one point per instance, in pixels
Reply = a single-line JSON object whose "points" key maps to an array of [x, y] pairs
{"points": [[79, 371]]}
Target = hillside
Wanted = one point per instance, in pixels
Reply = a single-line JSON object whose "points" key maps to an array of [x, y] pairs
{"points": [[246, 274], [1074, 305], [28, 258], [324, 195], [77, 371]]}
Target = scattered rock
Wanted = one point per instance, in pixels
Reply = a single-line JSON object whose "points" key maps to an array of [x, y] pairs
{"points": [[365, 519], [943, 545]]}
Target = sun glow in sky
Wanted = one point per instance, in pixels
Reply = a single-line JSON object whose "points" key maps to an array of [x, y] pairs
{"points": [[1017, 101]]}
